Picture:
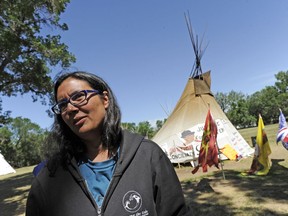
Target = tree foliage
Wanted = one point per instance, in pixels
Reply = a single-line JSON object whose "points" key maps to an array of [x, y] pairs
{"points": [[222, 100], [282, 81], [145, 129], [243, 111], [21, 142], [5, 117], [26, 53], [6, 146], [265, 102], [239, 114], [129, 126]]}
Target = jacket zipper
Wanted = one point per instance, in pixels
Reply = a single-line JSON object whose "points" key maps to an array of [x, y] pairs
{"points": [[107, 192], [98, 210], [104, 199]]}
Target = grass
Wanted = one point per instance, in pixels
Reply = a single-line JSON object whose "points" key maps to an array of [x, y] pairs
{"points": [[271, 131], [207, 194], [237, 194], [14, 191]]}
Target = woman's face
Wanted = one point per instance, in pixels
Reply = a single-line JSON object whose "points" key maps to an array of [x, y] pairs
{"points": [[85, 120]]}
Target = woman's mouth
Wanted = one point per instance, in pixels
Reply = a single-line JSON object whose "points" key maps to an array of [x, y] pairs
{"points": [[79, 121]]}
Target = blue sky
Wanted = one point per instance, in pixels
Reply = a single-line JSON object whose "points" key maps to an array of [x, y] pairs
{"points": [[143, 50]]}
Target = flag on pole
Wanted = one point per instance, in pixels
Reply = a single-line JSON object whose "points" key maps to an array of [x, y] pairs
{"points": [[282, 134], [264, 149], [208, 154], [260, 163]]}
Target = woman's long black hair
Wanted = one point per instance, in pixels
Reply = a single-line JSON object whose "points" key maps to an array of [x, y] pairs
{"points": [[71, 145]]}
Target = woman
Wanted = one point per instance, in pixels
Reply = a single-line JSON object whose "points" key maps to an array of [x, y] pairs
{"points": [[101, 169]]}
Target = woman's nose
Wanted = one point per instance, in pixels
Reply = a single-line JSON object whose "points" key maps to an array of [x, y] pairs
{"points": [[71, 108]]}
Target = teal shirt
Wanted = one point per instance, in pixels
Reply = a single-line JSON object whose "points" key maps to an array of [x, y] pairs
{"points": [[98, 176]]}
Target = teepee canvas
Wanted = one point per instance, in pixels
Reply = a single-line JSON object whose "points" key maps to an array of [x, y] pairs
{"points": [[187, 121], [5, 167], [180, 136]]}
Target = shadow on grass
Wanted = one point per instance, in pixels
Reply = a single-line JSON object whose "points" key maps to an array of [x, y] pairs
{"points": [[14, 192], [203, 200]]}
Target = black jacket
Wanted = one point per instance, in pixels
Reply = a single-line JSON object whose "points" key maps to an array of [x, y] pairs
{"points": [[144, 183]]}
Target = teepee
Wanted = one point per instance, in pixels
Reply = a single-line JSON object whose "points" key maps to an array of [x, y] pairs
{"points": [[180, 136], [5, 167]]}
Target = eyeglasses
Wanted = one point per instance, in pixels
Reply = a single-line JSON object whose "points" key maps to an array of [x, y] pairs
{"points": [[76, 99]]}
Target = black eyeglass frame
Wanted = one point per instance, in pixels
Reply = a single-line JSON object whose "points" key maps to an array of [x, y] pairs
{"points": [[56, 108]]}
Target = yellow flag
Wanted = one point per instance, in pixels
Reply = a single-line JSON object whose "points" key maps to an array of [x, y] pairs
{"points": [[264, 148]]}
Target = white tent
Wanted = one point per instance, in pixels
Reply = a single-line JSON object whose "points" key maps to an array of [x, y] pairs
{"points": [[181, 135], [5, 167], [188, 117]]}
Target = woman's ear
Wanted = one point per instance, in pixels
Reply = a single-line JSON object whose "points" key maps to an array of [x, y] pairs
{"points": [[106, 99]]}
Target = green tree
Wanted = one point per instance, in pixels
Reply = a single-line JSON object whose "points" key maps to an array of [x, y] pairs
{"points": [[4, 116], [129, 126], [281, 85], [159, 124], [222, 100], [266, 103], [27, 55], [25, 140], [228, 101], [28, 139], [144, 128], [49, 147], [7, 148], [235, 107], [282, 81], [239, 114]]}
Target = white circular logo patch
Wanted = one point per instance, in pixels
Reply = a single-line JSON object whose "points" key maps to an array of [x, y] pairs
{"points": [[132, 201]]}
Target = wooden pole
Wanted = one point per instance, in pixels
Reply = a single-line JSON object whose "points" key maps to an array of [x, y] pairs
{"points": [[221, 162]]}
